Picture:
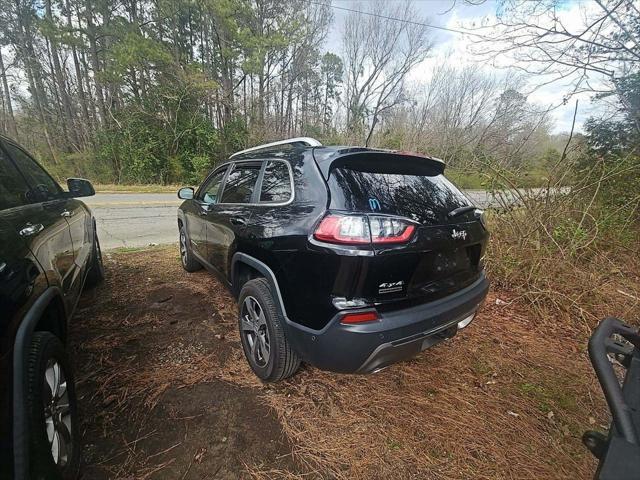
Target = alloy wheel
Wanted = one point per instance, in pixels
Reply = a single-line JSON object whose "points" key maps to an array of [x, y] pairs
{"points": [[255, 331], [183, 247], [57, 413]]}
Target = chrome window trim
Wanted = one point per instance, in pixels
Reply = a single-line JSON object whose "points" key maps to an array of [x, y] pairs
{"points": [[262, 167], [293, 191]]}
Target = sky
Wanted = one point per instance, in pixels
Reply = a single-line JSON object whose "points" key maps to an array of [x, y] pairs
{"points": [[455, 14]]}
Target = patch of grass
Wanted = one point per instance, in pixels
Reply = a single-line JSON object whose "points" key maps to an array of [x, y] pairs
{"points": [[480, 366], [393, 444], [136, 249], [128, 249], [549, 396]]}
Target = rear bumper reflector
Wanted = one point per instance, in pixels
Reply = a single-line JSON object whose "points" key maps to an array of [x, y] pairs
{"points": [[466, 321]]}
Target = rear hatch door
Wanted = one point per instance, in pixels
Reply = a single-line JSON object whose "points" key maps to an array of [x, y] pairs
{"points": [[443, 255]]}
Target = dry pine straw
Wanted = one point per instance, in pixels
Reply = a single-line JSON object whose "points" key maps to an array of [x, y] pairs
{"points": [[504, 399], [499, 401]]}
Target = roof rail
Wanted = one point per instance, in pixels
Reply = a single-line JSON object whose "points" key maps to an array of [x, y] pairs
{"points": [[307, 141]]}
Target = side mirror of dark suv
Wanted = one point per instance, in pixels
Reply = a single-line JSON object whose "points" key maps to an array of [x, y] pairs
{"points": [[79, 187], [185, 193]]}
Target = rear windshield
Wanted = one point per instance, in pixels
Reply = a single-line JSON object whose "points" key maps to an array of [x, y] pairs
{"points": [[426, 199]]}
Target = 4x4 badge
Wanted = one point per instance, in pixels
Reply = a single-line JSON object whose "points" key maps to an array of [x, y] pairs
{"points": [[459, 234], [390, 287]]}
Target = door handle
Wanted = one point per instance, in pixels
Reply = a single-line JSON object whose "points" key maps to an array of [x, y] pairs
{"points": [[66, 214], [204, 209], [29, 229], [237, 221]]}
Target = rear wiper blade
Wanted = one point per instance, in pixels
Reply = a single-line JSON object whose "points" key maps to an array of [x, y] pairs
{"points": [[460, 210]]}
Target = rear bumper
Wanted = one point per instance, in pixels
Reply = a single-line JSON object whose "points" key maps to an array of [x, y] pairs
{"points": [[398, 335]]}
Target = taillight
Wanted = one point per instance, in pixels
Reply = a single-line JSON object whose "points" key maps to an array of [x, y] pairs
{"points": [[390, 230], [364, 229], [360, 317], [347, 229]]}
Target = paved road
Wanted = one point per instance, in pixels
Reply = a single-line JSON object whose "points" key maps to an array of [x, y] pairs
{"points": [[141, 219], [135, 219]]}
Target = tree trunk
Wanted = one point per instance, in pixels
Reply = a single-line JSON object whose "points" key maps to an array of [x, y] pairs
{"points": [[86, 125], [11, 121], [68, 117], [34, 75], [95, 63]]}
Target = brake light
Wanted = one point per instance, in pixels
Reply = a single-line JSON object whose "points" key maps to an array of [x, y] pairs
{"points": [[361, 317], [352, 229], [364, 229]]}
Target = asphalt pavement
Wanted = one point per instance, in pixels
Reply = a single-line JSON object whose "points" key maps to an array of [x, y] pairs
{"points": [[135, 219]]}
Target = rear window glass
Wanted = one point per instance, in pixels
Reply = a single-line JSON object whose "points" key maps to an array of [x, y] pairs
{"points": [[425, 199], [276, 184], [240, 183]]}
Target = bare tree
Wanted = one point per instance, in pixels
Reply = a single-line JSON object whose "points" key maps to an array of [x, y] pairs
{"points": [[378, 54], [602, 41], [7, 106], [463, 112]]}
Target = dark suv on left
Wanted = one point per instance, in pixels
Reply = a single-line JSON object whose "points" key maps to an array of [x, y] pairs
{"points": [[49, 252]]}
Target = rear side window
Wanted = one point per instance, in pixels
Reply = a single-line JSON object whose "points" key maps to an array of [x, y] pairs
{"points": [[44, 187], [13, 188], [240, 183], [276, 183], [426, 199]]}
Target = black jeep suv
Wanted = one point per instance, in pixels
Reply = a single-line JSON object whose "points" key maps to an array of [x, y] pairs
{"points": [[347, 258], [48, 252]]}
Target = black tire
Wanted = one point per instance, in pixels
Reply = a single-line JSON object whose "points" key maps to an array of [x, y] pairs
{"points": [[45, 352], [189, 263], [96, 267], [281, 361]]}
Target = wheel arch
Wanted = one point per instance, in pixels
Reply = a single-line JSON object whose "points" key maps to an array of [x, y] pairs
{"points": [[53, 319], [48, 305], [245, 267], [181, 218]]}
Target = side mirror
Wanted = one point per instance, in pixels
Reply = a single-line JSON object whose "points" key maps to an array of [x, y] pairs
{"points": [[185, 193], [79, 187]]}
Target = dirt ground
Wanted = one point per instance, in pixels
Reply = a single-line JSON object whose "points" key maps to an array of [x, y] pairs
{"points": [[165, 393]]}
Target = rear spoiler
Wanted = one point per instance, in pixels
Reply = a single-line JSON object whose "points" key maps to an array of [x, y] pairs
{"points": [[378, 161]]}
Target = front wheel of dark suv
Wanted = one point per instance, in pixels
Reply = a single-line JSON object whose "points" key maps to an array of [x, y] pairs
{"points": [[96, 267], [189, 263], [53, 422], [261, 331]]}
